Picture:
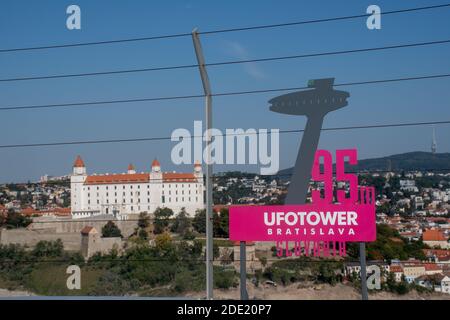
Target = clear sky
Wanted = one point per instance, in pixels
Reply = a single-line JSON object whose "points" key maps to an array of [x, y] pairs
{"points": [[35, 23]]}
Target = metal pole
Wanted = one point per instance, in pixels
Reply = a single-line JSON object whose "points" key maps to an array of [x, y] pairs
{"points": [[209, 200], [362, 259], [243, 270]]}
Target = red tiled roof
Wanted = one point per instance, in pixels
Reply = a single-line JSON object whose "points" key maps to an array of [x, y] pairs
{"points": [[155, 163], [179, 177], [54, 211], [433, 235], [432, 267], [437, 252], [117, 178], [78, 162], [88, 229], [396, 268]]}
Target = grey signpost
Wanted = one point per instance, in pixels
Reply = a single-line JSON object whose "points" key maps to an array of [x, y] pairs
{"points": [[243, 270], [362, 259], [208, 116]]}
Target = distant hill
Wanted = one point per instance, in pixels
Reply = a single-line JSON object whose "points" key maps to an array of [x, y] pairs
{"points": [[406, 161]]}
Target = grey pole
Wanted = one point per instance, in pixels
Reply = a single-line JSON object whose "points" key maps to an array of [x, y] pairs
{"points": [[243, 270], [209, 215], [362, 259]]}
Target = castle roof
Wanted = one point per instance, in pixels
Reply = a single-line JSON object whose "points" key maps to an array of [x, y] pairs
{"points": [[78, 162], [155, 163], [138, 178], [118, 178]]}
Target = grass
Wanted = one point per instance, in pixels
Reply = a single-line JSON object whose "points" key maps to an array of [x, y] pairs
{"points": [[219, 242], [50, 280]]}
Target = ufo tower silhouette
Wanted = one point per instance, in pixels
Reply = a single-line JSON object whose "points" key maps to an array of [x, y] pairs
{"points": [[315, 104]]}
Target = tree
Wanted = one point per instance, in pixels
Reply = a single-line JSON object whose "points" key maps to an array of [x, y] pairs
{"points": [[163, 241], [162, 218], [48, 249], [182, 224], [199, 222], [110, 230], [16, 220], [144, 220], [142, 234]]}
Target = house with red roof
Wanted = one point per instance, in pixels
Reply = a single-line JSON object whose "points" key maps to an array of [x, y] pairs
{"points": [[435, 238]]}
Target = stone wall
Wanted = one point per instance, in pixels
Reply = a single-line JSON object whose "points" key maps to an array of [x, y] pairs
{"points": [[75, 226], [72, 241]]}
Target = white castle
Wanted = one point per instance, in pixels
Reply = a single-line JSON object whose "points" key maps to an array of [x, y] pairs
{"points": [[132, 193]]}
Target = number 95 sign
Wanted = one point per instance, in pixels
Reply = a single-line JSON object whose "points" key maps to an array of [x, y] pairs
{"points": [[349, 217]]}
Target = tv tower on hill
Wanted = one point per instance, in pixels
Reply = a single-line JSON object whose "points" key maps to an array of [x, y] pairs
{"points": [[433, 142]]}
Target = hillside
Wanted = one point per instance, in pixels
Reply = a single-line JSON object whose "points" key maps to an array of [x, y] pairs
{"points": [[417, 160]]}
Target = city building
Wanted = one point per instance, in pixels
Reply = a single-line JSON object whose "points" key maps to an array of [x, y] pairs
{"points": [[435, 238], [132, 193]]}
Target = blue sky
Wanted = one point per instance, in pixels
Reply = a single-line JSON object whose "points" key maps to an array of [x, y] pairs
{"points": [[26, 23]]}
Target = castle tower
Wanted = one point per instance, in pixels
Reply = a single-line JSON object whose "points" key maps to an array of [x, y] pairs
{"points": [[77, 179], [131, 169], [433, 142], [89, 240], [198, 171]]}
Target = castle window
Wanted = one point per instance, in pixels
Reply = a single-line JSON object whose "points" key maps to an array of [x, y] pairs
{"points": [[163, 199]]}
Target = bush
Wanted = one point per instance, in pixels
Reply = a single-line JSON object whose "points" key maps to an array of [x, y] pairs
{"points": [[111, 230]]}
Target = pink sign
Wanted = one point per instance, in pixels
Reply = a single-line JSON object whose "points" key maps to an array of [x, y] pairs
{"points": [[325, 222], [322, 227]]}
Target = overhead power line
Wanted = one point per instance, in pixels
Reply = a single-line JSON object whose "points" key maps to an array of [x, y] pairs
{"points": [[234, 93], [80, 142], [224, 63], [226, 30]]}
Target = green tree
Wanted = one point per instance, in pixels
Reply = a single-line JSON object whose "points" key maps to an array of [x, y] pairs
{"points": [[182, 224], [142, 234], [162, 218], [144, 220], [16, 220], [48, 249], [199, 222], [111, 230]]}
